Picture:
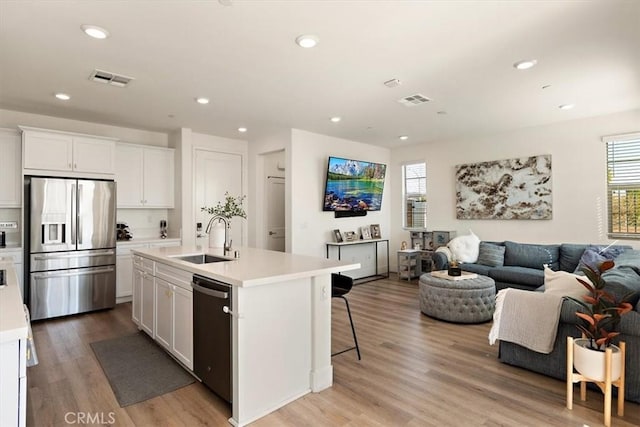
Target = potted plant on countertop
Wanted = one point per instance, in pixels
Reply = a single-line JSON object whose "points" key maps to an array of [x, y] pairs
{"points": [[600, 316], [219, 231]]}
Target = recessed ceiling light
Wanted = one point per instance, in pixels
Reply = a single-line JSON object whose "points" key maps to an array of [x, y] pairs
{"points": [[95, 32], [202, 100], [546, 86], [525, 64], [566, 106], [242, 130], [442, 113], [403, 137], [335, 119], [63, 96], [307, 41]]}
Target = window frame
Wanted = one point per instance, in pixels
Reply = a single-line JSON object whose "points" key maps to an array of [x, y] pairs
{"points": [[406, 195], [626, 148]]}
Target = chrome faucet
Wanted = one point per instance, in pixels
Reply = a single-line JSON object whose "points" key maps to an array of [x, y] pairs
{"points": [[227, 242]]}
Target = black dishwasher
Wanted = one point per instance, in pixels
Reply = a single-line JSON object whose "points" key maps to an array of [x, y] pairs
{"points": [[212, 334]]}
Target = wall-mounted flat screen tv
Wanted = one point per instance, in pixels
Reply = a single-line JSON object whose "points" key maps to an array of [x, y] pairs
{"points": [[353, 185]]}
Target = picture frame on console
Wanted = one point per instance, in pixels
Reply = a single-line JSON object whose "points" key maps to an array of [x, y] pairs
{"points": [[338, 236], [350, 236], [375, 231], [365, 232]]}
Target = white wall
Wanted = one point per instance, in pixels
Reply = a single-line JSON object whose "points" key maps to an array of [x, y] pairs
{"points": [[310, 226], [578, 159]]}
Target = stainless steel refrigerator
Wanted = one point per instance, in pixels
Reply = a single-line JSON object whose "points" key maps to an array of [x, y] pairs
{"points": [[70, 236]]}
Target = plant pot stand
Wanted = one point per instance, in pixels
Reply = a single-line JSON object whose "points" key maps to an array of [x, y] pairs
{"points": [[605, 386]]}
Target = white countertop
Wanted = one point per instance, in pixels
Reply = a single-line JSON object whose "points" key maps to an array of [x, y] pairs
{"points": [[13, 323], [253, 267]]}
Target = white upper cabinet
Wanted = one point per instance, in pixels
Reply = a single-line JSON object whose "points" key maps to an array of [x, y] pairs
{"points": [[93, 155], [145, 176], [67, 152], [10, 171]]}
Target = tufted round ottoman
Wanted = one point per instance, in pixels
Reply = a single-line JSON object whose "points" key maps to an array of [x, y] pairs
{"points": [[460, 301]]}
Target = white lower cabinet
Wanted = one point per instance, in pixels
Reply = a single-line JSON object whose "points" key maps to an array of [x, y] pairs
{"points": [[124, 266], [164, 313], [147, 315], [13, 383], [136, 300], [182, 347], [163, 306]]}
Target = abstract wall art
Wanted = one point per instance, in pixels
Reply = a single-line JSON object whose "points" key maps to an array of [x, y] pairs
{"points": [[505, 189]]}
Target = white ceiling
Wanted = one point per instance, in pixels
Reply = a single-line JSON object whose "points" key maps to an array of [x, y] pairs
{"points": [[243, 57]]}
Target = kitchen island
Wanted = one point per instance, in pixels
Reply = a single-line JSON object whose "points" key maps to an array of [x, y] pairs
{"points": [[280, 319], [13, 350]]}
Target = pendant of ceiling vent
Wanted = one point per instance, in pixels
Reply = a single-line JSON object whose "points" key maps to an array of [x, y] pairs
{"points": [[413, 100], [108, 77]]}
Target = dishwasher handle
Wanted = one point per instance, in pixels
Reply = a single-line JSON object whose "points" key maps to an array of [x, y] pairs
{"points": [[210, 292]]}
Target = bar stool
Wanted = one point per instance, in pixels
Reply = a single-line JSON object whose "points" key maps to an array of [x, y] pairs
{"points": [[340, 286]]}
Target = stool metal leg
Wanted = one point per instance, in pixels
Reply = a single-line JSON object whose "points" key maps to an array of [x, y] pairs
{"points": [[353, 330]]}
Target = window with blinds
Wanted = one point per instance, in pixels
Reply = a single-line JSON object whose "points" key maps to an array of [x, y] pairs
{"points": [[414, 176], [623, 185]]}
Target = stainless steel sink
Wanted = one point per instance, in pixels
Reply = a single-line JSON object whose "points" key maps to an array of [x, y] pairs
{"points": [[201, 259]]}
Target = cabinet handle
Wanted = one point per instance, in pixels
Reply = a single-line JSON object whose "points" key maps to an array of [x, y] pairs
{"points": [[69, 165], [75, 166]]}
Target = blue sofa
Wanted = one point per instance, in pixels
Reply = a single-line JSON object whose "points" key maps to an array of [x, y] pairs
{"points": [[522, 264], [622, 279]]}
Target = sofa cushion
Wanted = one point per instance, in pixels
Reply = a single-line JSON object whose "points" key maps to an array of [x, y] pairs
{"points": [[621, 281], [532, 256], [476, 268], [491, 255], [564, 283], [530, 277], [570, 254], [594, 255]]}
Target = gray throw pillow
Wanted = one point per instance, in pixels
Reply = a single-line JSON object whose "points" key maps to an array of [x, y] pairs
{"points": [[491, 255]]}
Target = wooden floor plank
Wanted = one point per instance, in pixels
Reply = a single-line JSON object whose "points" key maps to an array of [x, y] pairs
{"points": [[415, 371]]}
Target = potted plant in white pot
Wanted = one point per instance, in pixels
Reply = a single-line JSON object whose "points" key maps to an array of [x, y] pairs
{"points": [[600, 316], [220, 230]]}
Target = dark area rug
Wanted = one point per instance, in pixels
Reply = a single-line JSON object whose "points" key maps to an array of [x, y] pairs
{"points": [[139, 369]]}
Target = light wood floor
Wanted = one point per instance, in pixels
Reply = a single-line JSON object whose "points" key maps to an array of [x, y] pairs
{"points": [[415, 371]]}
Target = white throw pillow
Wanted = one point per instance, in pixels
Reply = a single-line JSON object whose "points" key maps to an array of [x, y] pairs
{"points": [[465, 248], [564, 283]]}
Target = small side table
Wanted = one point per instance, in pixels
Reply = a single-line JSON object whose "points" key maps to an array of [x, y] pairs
{"points": [[409, 264], [605, 386]]}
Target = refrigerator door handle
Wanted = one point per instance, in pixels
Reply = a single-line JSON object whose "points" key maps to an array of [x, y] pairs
{"points": [[73, 255], [72, 273], [73, 219], [79, 225]]}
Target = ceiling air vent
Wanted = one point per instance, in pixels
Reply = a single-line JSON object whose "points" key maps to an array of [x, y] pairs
{"points": [[413, 100], [107, 77]]}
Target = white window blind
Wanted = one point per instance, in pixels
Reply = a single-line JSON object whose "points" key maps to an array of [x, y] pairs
{"points": [[415, 195], [623, 185]]}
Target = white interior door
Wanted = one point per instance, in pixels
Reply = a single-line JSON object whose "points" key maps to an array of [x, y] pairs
{"points": [[215, 174], [275, 214]]}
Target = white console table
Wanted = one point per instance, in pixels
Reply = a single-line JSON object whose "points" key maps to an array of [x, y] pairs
{"points": [[376, 243]]}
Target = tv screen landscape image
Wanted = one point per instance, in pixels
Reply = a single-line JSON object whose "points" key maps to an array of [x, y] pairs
{"points": [[353, 185]]}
